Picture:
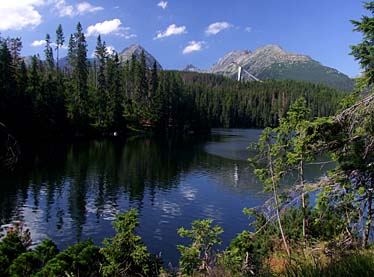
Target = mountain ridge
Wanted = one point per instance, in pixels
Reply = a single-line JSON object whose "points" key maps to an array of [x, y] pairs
{"points": [[273, 62]]}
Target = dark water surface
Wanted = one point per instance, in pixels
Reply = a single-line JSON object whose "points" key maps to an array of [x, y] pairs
{"points": [[70, 192]]}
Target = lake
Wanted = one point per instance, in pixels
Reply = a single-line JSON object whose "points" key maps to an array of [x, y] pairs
{"points": [[70, 192]]}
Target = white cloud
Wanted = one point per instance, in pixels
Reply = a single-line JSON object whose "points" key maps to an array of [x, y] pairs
{"points": [[42, 42], [172, 30], [162, 4], [20, 14], [107, 27], [130, 36], [65, 9], [193, 46], [217, 27], [38, 43], [248, 29], [86, 7], [110, 49]]}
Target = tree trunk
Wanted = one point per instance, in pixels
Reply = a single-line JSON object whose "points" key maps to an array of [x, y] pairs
{"points": [[368, 220], [303, 202], [9, 149], [271, 168]]}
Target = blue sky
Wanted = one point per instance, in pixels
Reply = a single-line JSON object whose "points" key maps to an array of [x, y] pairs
{"points": [[180, 32]]}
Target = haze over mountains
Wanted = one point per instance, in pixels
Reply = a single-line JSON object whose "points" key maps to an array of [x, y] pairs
{"points": [[268, 62]]}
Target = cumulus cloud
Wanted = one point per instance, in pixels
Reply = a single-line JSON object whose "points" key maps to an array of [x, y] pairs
{"points": [[20, 14], [109, 27], [193, 46], [38, 43], [248, 29], [162, 4], [65, 9], [86, 7], [172, 30], [217, 27], [42, 42]]}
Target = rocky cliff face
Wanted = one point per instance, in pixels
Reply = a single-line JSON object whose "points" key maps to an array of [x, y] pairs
{"points": [[136, 50]]}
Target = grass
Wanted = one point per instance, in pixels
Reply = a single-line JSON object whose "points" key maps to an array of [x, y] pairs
{"points": [[353, 263]]}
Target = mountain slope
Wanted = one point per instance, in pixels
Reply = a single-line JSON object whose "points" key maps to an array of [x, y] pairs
{"points": [[136, 50], [192, 68], [272, 62]]}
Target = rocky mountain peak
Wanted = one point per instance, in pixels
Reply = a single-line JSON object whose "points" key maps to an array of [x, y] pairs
{"points": [[137, 49], [192, 68], [270, 54], [229, 61]]}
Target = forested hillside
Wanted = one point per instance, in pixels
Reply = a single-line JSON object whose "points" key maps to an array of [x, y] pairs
{"points": [[232, 104], [104, 95]]}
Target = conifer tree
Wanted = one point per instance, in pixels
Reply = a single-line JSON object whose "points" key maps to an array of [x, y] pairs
{"points": [[78, 98], [48, 51], [102, 97], [363, 52], [115, 102], [60, 39]]}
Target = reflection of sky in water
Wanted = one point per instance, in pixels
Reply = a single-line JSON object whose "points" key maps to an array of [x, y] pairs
{"points": [[80, 201], [233, 144]]}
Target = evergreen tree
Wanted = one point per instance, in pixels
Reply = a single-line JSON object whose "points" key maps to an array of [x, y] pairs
{"points": [[15, 47], [154, 81], [363, 52], [102, 95], [78, 98], [72, 51], [60, 39], [115, 102], [7, 87], [48, 51]]}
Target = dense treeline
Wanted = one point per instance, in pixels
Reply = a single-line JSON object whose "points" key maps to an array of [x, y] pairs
{"points": [[105, 95], [230, 104]]}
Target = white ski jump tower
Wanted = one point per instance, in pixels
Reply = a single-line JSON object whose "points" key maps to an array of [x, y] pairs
{"points": [[240, 74]]}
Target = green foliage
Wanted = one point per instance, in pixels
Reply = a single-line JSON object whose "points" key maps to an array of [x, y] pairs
{"points": [[125, 253], [10, 248], [48, 51], [46, 251], [199, 256], [81, 259], [26, 264], [30, 262], [245, 254], [363, 52], [229, 104], [60, 39], [77, 94], [310, 71]]}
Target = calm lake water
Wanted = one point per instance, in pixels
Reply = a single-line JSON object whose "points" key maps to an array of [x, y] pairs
{"points": [[70, 192]]}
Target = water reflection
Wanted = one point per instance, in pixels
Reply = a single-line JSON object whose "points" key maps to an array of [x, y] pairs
{"points": [[69, 192]]}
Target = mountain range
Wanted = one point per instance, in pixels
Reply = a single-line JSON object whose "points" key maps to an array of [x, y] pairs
{"points": [[267, 62], [272, 62]]}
